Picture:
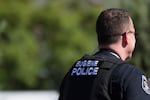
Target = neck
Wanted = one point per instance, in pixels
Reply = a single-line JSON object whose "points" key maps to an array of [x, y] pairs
{"points": [[116, 48]]}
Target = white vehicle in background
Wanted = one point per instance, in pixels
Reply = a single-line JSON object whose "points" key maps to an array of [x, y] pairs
{"points": [[28, 95]]}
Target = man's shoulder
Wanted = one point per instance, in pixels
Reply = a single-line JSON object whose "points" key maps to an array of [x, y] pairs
{"points": [[126, 70], [130, 68]]}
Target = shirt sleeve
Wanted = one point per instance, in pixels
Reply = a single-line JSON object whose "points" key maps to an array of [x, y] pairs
{"points": [[134, 83], [62, 88]]}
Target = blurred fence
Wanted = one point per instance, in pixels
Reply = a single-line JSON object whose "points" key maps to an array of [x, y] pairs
{"points": [[28, 95]]}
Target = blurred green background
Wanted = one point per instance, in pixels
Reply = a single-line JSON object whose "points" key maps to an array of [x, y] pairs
{"points": [[40, 39]]}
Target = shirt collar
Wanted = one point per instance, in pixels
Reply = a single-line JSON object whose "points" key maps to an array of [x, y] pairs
{"points": [[110, 52]]}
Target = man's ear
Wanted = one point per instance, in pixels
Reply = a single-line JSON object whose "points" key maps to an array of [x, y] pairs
{"points": [[124, 40]]}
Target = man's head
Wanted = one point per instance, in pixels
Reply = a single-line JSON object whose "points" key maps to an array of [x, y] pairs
{"points": [[113, 26]]}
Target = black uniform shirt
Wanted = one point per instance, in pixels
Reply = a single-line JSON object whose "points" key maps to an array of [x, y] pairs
{"points": [[127, 82]]}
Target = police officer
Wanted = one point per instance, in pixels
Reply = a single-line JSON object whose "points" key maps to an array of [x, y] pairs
{"points": [[105, 75]]}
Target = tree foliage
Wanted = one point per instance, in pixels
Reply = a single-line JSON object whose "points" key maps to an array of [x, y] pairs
{"points": [[39, 42]]}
